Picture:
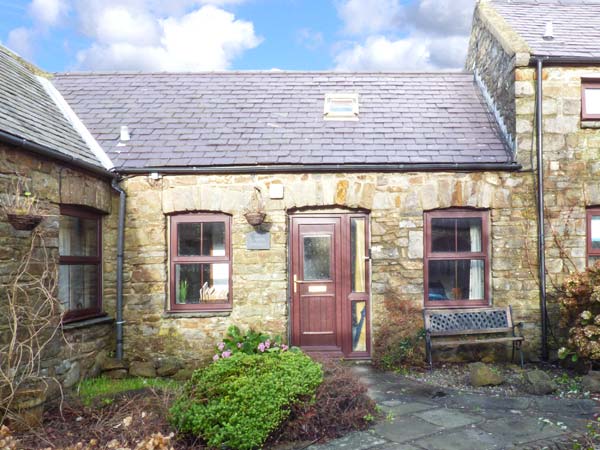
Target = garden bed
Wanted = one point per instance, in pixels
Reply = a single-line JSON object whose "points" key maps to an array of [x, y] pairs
{"points": [[456, 376], [123, 413]]}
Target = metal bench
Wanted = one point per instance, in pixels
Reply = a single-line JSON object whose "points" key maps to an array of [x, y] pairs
{"points": [[484, 323]]}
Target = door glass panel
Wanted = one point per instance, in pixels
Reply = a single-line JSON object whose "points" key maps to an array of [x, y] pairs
{"points": [[357, 254], [201, 283], [317, 257], [595, 231], [459, 279], [359, 326]]}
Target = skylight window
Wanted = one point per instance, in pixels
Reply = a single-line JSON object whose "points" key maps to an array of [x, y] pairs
{"points": [[341, 106]]}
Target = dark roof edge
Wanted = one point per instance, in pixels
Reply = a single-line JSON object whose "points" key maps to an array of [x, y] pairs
{"points": [[558, 60], [322, 168], [48, 152]]}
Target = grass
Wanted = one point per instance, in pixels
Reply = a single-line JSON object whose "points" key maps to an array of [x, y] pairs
{"points": [[103, 389]]}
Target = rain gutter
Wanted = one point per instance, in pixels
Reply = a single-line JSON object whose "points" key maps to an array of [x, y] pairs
{"points": [[312, 168], [48, 152]]}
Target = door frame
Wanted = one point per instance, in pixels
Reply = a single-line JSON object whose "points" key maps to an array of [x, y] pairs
{"points": [[347, 297]]}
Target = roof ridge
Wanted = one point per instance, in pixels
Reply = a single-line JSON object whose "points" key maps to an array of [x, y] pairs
{"points": [[264, 72]]}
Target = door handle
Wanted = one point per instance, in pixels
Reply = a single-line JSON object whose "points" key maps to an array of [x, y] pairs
{"points": [[297, 282]]}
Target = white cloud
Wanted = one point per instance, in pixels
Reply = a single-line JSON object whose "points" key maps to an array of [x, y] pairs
{"points": [[310, 39], [48, 12], [206, 39], [413, 35], [369, 16], [414, 53], [378, 53], [20, 40]]}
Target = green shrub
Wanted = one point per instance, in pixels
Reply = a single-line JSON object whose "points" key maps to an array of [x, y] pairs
{"points": [[237, 402], [251, 342]]}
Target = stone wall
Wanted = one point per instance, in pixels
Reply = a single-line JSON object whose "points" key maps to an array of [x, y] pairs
{"points": [[260, 281], [494, 51], [571, 147], [70, 357], [571, 150]]}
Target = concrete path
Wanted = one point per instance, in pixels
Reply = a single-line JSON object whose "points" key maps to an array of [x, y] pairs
{"points": [[420, 416]]}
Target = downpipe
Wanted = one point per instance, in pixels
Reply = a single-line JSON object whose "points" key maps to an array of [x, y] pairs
{"points": [[120, 250]]}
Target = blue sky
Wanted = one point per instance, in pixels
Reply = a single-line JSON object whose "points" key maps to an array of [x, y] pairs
{"points": [[195, 35]]}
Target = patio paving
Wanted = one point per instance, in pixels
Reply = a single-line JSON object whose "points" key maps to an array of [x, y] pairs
{"points": [[419, 416]]}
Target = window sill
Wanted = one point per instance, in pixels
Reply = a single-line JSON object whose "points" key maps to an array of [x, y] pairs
{"points": [[590, 124], [87, 322], [195, 314]]}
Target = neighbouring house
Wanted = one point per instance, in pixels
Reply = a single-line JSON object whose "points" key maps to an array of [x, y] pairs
{"points": [[42, 144], [424, 184]]}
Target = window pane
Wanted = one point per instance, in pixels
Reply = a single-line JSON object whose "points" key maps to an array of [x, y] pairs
{"points": [[595, 231], [357, 250], [593, 260], [592, 100], [78, 286], [460, 279], [188, 239], [468, 234], [213, 239], [317, 251], [443, 235], [201, 283], [359, 326], [456, 235], [77, 236]]}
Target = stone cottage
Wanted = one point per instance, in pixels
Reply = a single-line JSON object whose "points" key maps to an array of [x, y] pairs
{"points": [[421, 185]]}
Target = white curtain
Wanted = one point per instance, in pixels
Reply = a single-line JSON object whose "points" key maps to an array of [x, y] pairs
{"points": [[476, 272]]}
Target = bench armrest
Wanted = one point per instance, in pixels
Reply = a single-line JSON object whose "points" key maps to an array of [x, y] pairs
{"points": [[518, 325]]}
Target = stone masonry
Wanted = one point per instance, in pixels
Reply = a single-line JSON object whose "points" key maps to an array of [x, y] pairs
{"points": [[571, 146], [260, 283], [71, 356]]}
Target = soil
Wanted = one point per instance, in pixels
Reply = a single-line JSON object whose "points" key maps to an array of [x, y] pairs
{"points": [[341, 406], [456, 376]]}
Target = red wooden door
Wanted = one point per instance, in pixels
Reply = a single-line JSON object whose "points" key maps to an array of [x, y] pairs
{"points": [[316, 279]]}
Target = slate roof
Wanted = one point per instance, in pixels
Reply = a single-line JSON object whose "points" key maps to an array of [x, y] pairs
{"points": [[576, 25], [276, 118], [27, 111]]}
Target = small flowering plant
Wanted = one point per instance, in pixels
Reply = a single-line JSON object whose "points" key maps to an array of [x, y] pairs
{"points": [[250, 343]]}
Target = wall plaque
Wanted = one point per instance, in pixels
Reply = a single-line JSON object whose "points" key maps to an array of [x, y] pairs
{"points": [[258, 240]]}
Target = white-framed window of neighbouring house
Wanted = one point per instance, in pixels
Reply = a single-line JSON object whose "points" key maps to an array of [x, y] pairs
{"points": [[80, 263], [200, 262], [590, 99], [456, 258], [593, 235]]}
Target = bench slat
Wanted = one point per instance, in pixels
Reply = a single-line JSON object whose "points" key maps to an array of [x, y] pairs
{"points": [[476, 341], [476, 331]]}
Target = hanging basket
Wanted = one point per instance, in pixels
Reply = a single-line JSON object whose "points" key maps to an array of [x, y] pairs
{"points": [[255, 218], [24, 222]]}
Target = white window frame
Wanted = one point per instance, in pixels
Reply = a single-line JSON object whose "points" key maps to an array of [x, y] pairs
{"points": [[329, 109]]}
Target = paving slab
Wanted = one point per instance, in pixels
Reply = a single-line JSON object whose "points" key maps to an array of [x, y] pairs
{"points": [[465, 439], [399, 408], [448, 418], [425, 417], [404, 428], [522, 429], [361, 440]]}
